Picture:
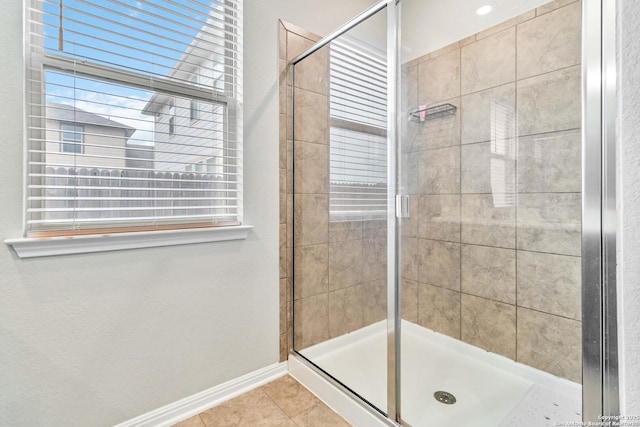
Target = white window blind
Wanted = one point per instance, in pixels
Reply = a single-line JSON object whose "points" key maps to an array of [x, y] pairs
{"points": [[113, 87], [358, 142]]}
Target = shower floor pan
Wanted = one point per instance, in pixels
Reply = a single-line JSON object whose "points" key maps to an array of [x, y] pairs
{"points": [[489, 390]]}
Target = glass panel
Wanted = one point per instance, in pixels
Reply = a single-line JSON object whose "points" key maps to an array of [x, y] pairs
{"points": [[116, 155], [340, 229], [71, 138], [491, 160]]}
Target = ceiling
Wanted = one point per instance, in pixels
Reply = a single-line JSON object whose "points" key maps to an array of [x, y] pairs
{"points": [[427, 25]]}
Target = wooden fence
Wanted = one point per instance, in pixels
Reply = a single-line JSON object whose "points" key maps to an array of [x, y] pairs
{"points": [[82, 193]]}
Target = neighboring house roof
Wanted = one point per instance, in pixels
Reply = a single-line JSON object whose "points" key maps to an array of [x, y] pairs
{"points": [[69, 113]]}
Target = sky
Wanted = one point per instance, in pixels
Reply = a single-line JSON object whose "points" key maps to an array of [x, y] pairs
{"points": [[144, 36]]}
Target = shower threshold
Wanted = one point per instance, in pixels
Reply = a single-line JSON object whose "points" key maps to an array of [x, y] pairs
{"points": [[490, 390]]}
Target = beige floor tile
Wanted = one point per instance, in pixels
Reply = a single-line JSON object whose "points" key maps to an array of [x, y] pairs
{"points": [[251, 409], [290, 395], [195, 421], [319, 416], [280, 403]]}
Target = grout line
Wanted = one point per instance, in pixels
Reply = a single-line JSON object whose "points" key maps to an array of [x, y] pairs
{"points": [[508, 83], [459, 112], [289, 297], [518, 136], [515, 177], [520, 192], [550, 314], [516, 81], [552, 10]]}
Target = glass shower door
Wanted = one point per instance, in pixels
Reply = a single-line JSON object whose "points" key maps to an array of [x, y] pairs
{"points": [[340, 209], [490, 158]]}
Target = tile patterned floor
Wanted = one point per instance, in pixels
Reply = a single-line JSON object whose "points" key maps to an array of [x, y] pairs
{"points": [[280, 403]]}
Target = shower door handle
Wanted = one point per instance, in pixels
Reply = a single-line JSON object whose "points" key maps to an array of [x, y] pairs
{"points": [[402, 206]]}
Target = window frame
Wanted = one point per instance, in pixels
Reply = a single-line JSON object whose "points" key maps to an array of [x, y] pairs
{"points": [[75, 143], [36, 62]]}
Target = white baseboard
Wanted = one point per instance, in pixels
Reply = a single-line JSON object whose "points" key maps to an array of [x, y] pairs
{"points": [[192, 405]]}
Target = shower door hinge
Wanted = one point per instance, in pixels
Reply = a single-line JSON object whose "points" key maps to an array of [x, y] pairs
{"points": [[402, 206]]}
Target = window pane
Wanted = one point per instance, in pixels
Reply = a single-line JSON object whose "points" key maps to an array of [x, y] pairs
{"points": [[71, 148], [358, 145], [147, 37], [71, 133], [121, 162], [193, 112], [358, 171]]}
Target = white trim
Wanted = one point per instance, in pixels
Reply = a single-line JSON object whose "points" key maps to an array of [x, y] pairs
{"points": [[184, 408], [30, 247], [347, 407]]}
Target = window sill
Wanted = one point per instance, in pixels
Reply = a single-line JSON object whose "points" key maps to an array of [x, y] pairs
{"points": [[28, 247]]}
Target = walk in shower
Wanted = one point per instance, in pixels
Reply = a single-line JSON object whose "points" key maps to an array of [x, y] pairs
{"points": [[438, 213]]}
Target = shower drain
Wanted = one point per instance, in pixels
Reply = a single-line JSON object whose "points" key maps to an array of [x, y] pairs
{"points": [[445, 397]]}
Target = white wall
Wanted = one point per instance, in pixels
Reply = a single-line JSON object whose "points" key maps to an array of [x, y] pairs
{"points": [[629, 203], [92, 340]]}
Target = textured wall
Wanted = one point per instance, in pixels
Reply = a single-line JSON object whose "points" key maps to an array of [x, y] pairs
{"points": [[95, 339], [629, 204]]}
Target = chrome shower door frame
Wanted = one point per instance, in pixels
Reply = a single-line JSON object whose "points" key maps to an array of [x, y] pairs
{"points": [[599, 315], [393, 220], [599, 322]]}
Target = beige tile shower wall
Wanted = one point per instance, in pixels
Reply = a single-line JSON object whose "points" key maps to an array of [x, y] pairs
{"points": [[293, 41], [338, 267], [491, 254]]}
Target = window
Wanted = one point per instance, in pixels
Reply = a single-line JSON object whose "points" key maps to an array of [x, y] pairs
{"points": [[172, 117], [193, 110], [71, 137], [193, 107], [111, 95], [358, 142]]}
